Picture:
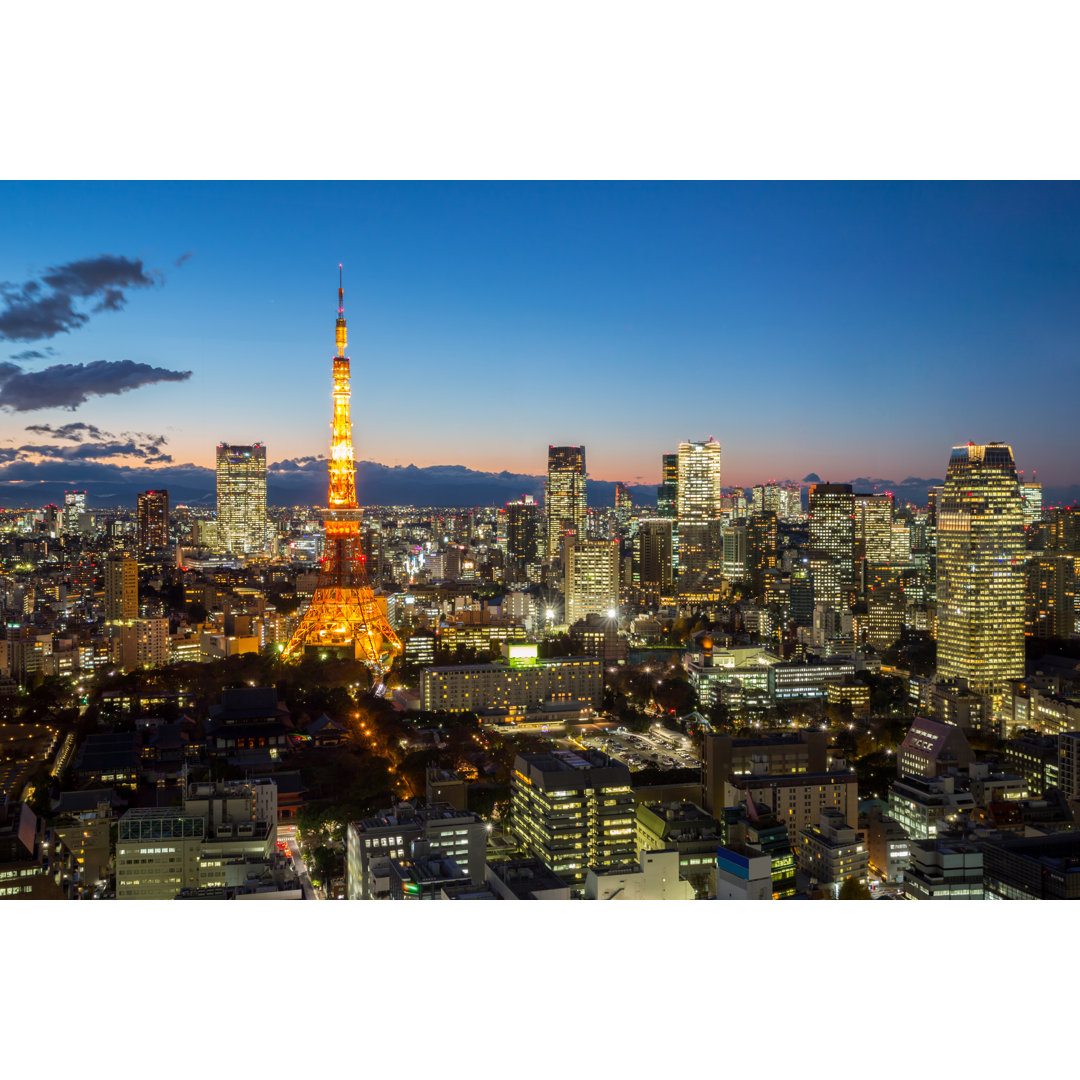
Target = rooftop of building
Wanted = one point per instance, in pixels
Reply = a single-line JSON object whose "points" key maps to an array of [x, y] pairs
{"points": [[832, 776], [242, 703], [1058, 850], [405, 814], [523, 877], [567, 761], [502, 665]]}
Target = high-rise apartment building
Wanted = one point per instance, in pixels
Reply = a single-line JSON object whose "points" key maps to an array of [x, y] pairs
{"points": [[522, 534], [574, 812], [564, 498], [241, 498], [668, 491], [1051, 597], [121, 587], [762, 546], [734, 561], [592, 577], [698, 502], [653, 556], [832, 543], [152, 519], [980, 571]]}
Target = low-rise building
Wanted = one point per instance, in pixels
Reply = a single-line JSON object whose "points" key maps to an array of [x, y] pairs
{"points": [[797, 799], [888, 848], [919, 803], [1035, 758], [944, 869], [725, 756], [372, 843], [575, 811], [931, 748], [799, 681], [687, 829], [1032, 868], [656, 877], [743, 872], [525, 879], [832, 851], [523, 683]]}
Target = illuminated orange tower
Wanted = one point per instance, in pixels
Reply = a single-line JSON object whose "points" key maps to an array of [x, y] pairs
{"points": [[344, 615]]}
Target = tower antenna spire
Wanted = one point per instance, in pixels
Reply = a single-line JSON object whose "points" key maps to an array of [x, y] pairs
{"points": [[341, 337]]}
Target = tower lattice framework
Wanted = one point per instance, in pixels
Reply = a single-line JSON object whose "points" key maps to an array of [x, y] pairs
{"points": [[344, 612]]}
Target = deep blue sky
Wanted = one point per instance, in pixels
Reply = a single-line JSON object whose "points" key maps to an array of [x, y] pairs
{"points": [[851, 330]]}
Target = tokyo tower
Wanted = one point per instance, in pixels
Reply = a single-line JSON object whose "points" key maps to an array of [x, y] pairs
{"points": [[344, 616]]}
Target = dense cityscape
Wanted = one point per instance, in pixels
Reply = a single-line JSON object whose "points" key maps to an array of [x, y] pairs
{"points": [[793, 691]]}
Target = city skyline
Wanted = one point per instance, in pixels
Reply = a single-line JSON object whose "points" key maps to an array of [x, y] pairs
{"points": [[893, 320]]}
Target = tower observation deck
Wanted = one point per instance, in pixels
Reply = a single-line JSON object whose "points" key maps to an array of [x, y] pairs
{"points": [[345, 617]]}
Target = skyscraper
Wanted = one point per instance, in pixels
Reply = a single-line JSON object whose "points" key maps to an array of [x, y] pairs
{"points": [[74, 505], [522, 534], [697, 502], [1051, 597], [1031, 496], [564, 499], [873, 527], [668, 490], [241, 498], [652, 554], [980, 570], [121, 587], [832, 543], [152, 519], [762, 546]]}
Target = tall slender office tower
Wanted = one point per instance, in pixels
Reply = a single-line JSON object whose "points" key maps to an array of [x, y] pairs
{"points": [[980, 570], [74, 505], [652, 555], [832, 543], [697, 501], [667, 492], [564, 499], [522, 534], [241, 497], [152, 519], [121, 587]]}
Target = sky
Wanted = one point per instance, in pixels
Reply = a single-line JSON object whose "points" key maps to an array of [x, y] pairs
{"points": [[841, 329]]}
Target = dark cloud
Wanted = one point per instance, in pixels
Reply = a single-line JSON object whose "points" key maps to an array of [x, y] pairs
{"points": [[34, 354], [31, 313], [107, 483], [66, 386], [76, 431], [183, 259], [96, 451], [811, 478]]}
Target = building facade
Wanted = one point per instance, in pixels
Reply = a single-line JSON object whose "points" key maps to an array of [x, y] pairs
{"points": [[565, 502], [241, 498], [980, 571]]}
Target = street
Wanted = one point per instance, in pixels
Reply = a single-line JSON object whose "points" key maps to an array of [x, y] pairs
{"points": [[288, 834]]}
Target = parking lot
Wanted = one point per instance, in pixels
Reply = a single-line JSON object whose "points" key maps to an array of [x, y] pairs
{"points": [[658, 748]]}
